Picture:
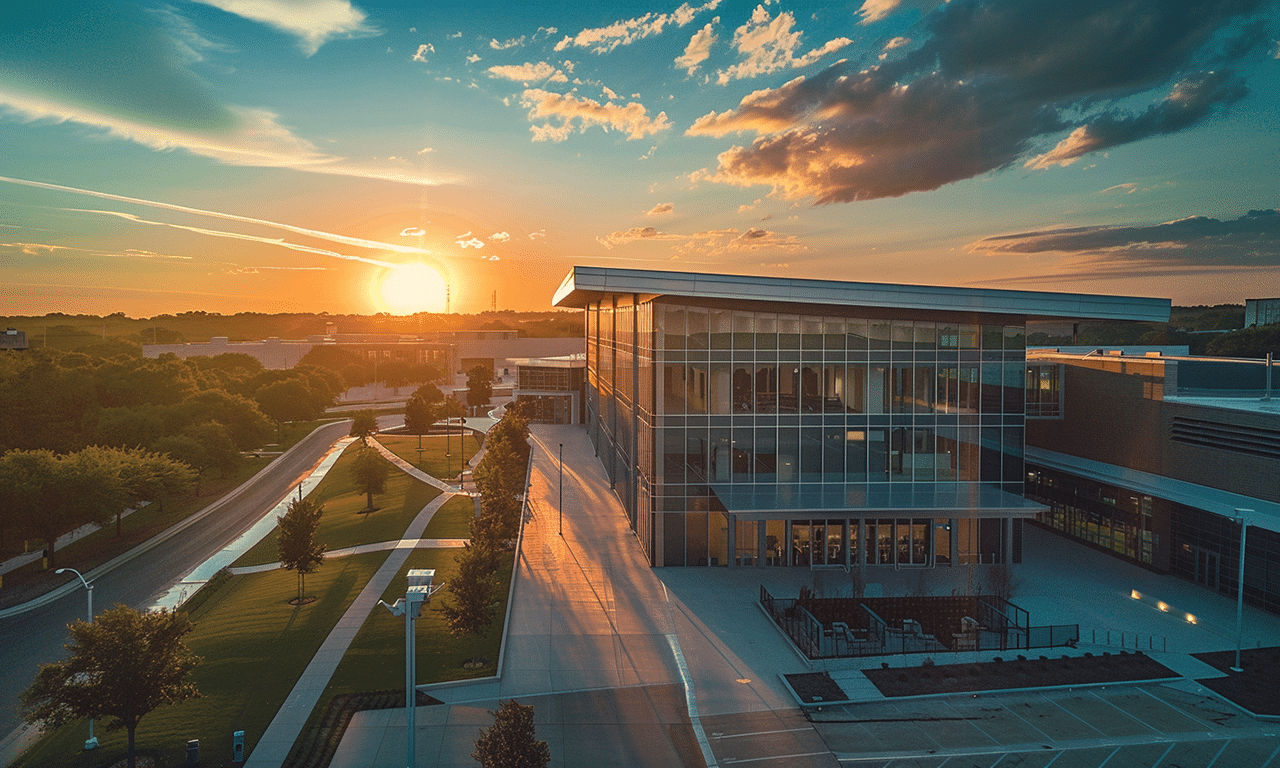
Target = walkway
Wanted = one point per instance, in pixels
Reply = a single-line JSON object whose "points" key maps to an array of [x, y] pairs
{"points": [[274, 746], [360, 549]]}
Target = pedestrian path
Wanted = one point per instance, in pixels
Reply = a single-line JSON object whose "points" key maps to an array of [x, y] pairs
{"points": [[411, 470], [360, 549], [273, 748]]}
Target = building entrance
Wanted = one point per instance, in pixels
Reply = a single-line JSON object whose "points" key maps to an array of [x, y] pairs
{"points": [[1207, 572]]}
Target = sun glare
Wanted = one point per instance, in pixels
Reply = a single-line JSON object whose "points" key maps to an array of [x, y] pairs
{"points": [[412, 288]]}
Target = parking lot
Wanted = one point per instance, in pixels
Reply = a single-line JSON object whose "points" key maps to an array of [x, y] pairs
{"points": [[1155, 726]]}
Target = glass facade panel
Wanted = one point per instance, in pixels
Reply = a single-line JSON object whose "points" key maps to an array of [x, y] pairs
{"points": [[683, 400]]}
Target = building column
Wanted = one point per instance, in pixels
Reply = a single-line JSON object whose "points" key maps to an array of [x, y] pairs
{"points": [[955, 541], [732, 545]]}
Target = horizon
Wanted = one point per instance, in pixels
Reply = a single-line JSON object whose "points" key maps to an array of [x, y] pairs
{"points": [[335, 156]]}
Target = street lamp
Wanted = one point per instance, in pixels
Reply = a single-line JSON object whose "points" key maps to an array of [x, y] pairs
{"points": [[1240, 590], [420, 591], [562, 489], [92, 741]]}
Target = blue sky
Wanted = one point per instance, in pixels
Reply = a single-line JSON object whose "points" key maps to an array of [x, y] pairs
{"points": [[325, 155]]}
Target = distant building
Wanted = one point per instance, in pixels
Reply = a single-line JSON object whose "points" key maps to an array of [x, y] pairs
{"points": [[12, 338], [453, 352], [1261, 312], [1149, 458], [552, 387]]}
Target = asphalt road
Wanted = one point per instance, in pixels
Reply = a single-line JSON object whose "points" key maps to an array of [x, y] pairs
{"points": [[37, 637]]}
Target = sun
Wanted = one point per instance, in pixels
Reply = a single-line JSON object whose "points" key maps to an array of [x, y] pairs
{"points": [[410, 288]]}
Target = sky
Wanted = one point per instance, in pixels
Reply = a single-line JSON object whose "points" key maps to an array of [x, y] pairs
{"points": [[359, 157]]}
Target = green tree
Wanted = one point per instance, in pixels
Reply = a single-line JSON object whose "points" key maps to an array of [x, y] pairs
{"points": [[511, 741], [479, 385], [363, 425], [288, 400], [369, 472], [474, 592], [147, 476], [201, 447], [296, 542], [122, 666], [423, 409]]}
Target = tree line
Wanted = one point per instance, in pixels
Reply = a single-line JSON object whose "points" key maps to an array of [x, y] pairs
{"points": [[474, 591], [83, 438]]}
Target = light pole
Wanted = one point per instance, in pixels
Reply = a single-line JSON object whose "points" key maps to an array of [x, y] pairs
{"points": [[562, 489], [419, 592], [92, 742], [1240, 590]]}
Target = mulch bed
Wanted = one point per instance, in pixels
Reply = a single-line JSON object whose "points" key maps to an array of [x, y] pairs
{"points": [[991, 676], [813, 687], [315, 748], [1255, 688]]}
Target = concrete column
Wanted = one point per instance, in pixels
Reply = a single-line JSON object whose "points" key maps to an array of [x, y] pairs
{"points": [[732, 546]]}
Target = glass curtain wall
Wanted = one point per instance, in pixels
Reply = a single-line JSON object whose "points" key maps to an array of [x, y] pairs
{"points": [[687, 397]]}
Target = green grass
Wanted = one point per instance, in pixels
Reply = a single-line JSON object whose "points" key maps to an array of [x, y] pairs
{"points": [[433, 460], [343, 524], [452, 520], [254, 645], [375, 660]]}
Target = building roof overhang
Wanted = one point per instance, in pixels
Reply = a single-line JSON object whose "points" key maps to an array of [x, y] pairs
{"points": [[873, 500], [587, 284]]}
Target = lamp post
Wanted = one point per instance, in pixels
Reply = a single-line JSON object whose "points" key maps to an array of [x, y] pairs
{"points": [[562, 489], [92, 741], [1240, 590], [419, 592]]}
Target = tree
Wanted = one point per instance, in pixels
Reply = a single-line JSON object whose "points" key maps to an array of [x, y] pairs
{"points": [[363, 425], [423, 409], [511, 741], [123, 666], [201, 447], [369, 472], [288, 400], [474, 591], [479, 385], [296, 541]]}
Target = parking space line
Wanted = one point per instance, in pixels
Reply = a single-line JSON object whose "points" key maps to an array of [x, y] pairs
{"points": [[1225, 744], [1165, 754], [1271, 759], [759, 733], [736, 761], [1103, 764]]}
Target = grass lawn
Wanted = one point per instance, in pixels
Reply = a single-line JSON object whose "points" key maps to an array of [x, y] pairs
{"points": [[254, 646], [375, 660], [342, 524], [453, 520], [433, 460]]}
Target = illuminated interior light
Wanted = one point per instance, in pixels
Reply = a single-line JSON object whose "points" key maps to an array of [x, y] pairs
{"points": [[1191, 619], [1163, 606], [1135, 594]]}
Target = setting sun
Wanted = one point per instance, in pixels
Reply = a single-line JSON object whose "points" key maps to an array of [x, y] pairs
{"points": [[412, 288]]}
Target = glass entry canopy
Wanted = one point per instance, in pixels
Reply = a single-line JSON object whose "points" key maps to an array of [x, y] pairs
{"points": [[795, 500]]}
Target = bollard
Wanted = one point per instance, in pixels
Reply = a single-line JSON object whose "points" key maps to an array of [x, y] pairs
{"points": [[193, 753]]}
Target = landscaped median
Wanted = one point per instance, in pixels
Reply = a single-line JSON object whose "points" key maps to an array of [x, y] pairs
{"points": [[255, 644]]}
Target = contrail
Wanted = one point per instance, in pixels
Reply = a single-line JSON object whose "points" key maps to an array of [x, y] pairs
{"points": [[343, 239]]}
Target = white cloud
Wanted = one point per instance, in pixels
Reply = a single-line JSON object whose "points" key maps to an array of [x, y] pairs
{"points": [[422, 52], [631, 119], [541, 233], [770, 44], [256, 140], [500, 237], [661, 209], [472, 59], [426, 150], [456, 35], [605, 39], [412, 232], [467, 240], [314, 22], [608, 92], [529, 72], [698, 49], [504, 45]]}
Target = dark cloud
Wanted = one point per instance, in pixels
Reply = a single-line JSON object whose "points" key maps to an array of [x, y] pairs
{"points": [[1252, 239], [987, 85]]}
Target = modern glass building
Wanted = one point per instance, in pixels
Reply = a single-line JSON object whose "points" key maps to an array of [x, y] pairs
{"points": [[765, 421]]}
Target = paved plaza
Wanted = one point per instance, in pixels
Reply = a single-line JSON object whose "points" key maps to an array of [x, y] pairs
{"points": [[632, 666]]}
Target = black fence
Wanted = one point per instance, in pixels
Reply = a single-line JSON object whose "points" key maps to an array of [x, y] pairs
{"points": [[840, 627]]}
